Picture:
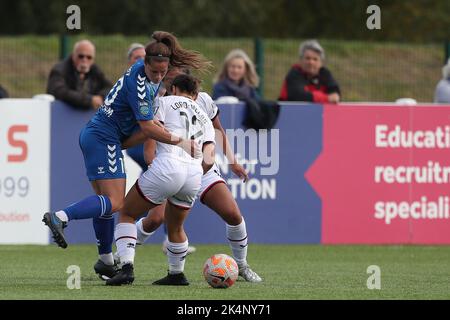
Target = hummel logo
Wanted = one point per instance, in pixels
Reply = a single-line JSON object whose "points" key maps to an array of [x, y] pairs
{"points": [[130, 245], [101, 170], [112, 169]]}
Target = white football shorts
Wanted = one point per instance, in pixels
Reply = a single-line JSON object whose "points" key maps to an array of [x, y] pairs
{"points": [[169, 178], [209, 179]]}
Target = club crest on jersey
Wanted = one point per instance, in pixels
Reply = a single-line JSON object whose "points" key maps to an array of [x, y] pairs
{"points": [[145, 110]]}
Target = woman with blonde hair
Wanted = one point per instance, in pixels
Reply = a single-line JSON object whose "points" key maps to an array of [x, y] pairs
{"points": [[237, 78]]}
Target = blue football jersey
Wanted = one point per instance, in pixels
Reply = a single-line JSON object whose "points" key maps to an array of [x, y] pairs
{"points": [[130, 100]]}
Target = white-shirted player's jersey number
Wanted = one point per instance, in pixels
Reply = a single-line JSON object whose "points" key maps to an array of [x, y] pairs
{"points": [[194, 129]]}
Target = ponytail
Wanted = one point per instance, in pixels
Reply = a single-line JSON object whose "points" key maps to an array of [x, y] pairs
{"points": [[166, 47]]}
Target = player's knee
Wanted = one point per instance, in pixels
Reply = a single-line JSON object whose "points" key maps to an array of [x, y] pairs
{"points": [[232, 216], [153, 221]]}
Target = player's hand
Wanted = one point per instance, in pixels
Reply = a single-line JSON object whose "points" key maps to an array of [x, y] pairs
{"points": [[192, 148], [239, 171], [159, 124], [96, 101]]}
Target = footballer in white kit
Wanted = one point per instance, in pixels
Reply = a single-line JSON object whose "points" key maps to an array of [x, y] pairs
{"points": [[174, 175], [213, 193], [213, 176]]}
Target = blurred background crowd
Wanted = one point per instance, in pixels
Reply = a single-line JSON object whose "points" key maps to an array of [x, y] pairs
{"points": [[403, 59]]}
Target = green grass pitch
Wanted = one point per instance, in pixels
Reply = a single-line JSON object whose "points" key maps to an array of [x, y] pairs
{"points": [[290, 272]]}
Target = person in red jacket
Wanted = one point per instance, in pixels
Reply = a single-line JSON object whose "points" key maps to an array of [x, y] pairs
{"points": [[309, 80]]}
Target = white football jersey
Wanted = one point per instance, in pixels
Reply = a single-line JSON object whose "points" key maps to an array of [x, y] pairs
{"points": [[208, 105], [184, 118]]}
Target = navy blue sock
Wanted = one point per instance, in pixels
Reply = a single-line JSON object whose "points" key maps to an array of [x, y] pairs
{"points": [[90, 207], [104, 232]]}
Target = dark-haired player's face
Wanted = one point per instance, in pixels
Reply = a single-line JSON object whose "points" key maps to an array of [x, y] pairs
{"points": [[156, 70], [169, 78]]}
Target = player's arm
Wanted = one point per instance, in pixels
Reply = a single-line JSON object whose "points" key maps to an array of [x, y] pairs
{"points": [[153, 131], [228, 152], [208, 156], [149, 151], [138, 137]]}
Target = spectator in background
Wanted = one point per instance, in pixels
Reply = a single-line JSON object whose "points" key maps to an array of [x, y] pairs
{"points": [[237, 78], [442, 93], [77, 80], [309, 80], [3, 93], [135, 52]]}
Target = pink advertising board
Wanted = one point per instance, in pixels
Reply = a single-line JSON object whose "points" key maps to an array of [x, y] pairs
{"points": [[383, 175]]}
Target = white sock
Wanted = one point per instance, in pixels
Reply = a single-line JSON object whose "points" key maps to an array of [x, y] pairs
{"points": [[107, 258], [237, 236], [125, 235], [62, 215], [166, 241], [142, 236], [176, 254]]}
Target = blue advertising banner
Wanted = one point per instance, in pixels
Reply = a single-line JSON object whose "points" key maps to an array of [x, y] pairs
{"points": [[277, 202], [68, 180]]}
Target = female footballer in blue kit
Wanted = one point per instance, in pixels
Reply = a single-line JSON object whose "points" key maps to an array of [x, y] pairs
{"points": [[129, 104]]}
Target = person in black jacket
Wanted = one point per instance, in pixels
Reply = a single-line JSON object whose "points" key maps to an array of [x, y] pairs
{"points": [[3, 93], [77, 80], [309, 80]]}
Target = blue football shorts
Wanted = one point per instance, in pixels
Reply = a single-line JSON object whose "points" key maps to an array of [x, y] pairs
{"points": [[102, 154]]}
